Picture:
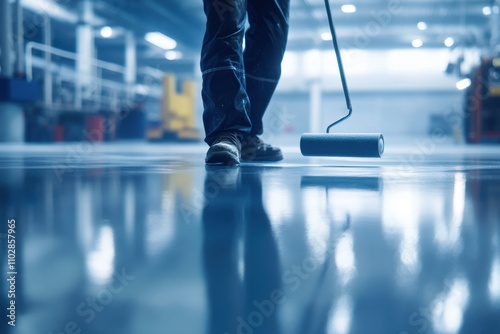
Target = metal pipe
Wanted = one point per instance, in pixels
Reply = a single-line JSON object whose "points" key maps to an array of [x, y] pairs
{"points": [[5, 36], [85, 51], [495, 30]]}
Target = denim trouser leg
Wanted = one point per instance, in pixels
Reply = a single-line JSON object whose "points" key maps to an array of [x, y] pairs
{"points": [[265, 46], [228, 94]]}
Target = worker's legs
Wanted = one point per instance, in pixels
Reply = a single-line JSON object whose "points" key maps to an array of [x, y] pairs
{"points": [[225, 100], [265, 46]]}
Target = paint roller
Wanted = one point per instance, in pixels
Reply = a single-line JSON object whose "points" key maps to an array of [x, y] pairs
{"points": [[369, 145]]}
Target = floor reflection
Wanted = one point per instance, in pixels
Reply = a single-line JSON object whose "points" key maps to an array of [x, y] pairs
{"points": [[242, 266], [169, 246]]}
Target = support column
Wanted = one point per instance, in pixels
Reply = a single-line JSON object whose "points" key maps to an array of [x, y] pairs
{"points": [[5, 39], [11, 114], [495, 29], [11, 122], [47, 84], [19, 40], [85, 51], [315, 94], [130, 62]]}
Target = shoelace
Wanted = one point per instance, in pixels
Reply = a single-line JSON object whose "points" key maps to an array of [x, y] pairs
{"points": [[229, 138], [256, 141]]}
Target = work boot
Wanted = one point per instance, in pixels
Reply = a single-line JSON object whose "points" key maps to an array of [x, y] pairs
{"points": [[254, 149], [225, 150]]}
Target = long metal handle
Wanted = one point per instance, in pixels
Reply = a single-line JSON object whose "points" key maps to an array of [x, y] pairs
{"points": [[341, 67]]}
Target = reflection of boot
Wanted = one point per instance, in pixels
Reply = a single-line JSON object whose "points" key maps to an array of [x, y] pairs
{"points": [[221, 179], [221, 225], [233, 307], [262, 269]]}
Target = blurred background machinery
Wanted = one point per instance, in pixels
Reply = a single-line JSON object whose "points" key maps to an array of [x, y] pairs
{"points": [[482, 103]]}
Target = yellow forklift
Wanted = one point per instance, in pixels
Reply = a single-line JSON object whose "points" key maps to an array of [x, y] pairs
{"points": [[178, 113]]}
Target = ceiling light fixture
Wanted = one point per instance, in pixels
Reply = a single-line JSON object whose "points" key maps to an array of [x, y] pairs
{"points": [[487, 10], [326, 36], [417, 43], [422, 25], [106, 32], [160, 40], [173, 55], [50, 8], [449, 42], [348, 9]]}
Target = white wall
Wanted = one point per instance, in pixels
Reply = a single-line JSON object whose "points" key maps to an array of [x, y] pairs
{"points": [[405, 69], [393, 92], [392, 113]]}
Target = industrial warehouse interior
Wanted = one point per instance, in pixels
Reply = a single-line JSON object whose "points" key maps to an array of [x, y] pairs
{"points": [[112, 221]]}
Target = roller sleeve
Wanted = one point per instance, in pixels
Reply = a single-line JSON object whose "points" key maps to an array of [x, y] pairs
{"points": [[367, 145]]}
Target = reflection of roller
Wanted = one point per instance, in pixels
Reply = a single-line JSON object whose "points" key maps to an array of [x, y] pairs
{"points": [[369, 183], [344, 195], [368, 145]]}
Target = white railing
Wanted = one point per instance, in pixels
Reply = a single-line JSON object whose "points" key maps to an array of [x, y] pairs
{"points": [[30, 46], [115, 87]]}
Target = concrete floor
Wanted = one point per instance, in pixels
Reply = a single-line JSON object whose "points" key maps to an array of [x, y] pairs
{"points": [[136, 238]]}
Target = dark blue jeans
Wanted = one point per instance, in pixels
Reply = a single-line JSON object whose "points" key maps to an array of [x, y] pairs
{"points": [[237, 84]]}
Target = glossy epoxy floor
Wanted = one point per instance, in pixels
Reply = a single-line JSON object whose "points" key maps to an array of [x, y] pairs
{"points": [[131, 238]]}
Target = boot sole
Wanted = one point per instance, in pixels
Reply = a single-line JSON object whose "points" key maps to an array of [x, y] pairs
{"points": [[263, 159], [222, 159]]}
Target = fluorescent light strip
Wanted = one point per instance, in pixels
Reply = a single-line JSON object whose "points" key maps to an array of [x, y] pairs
{"points": [[50, 8], [349, 9], [160, 40], [463, 84]]}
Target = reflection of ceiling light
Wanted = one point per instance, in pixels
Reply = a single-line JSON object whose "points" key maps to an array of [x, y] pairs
{"points": [[326, 36], [142, 89], [449, 42], [422, 26], [463, 84], [349, 9], [417, 43], [160, 40], [106, 32], [494, 283], [173, 55], [487, 10]]}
